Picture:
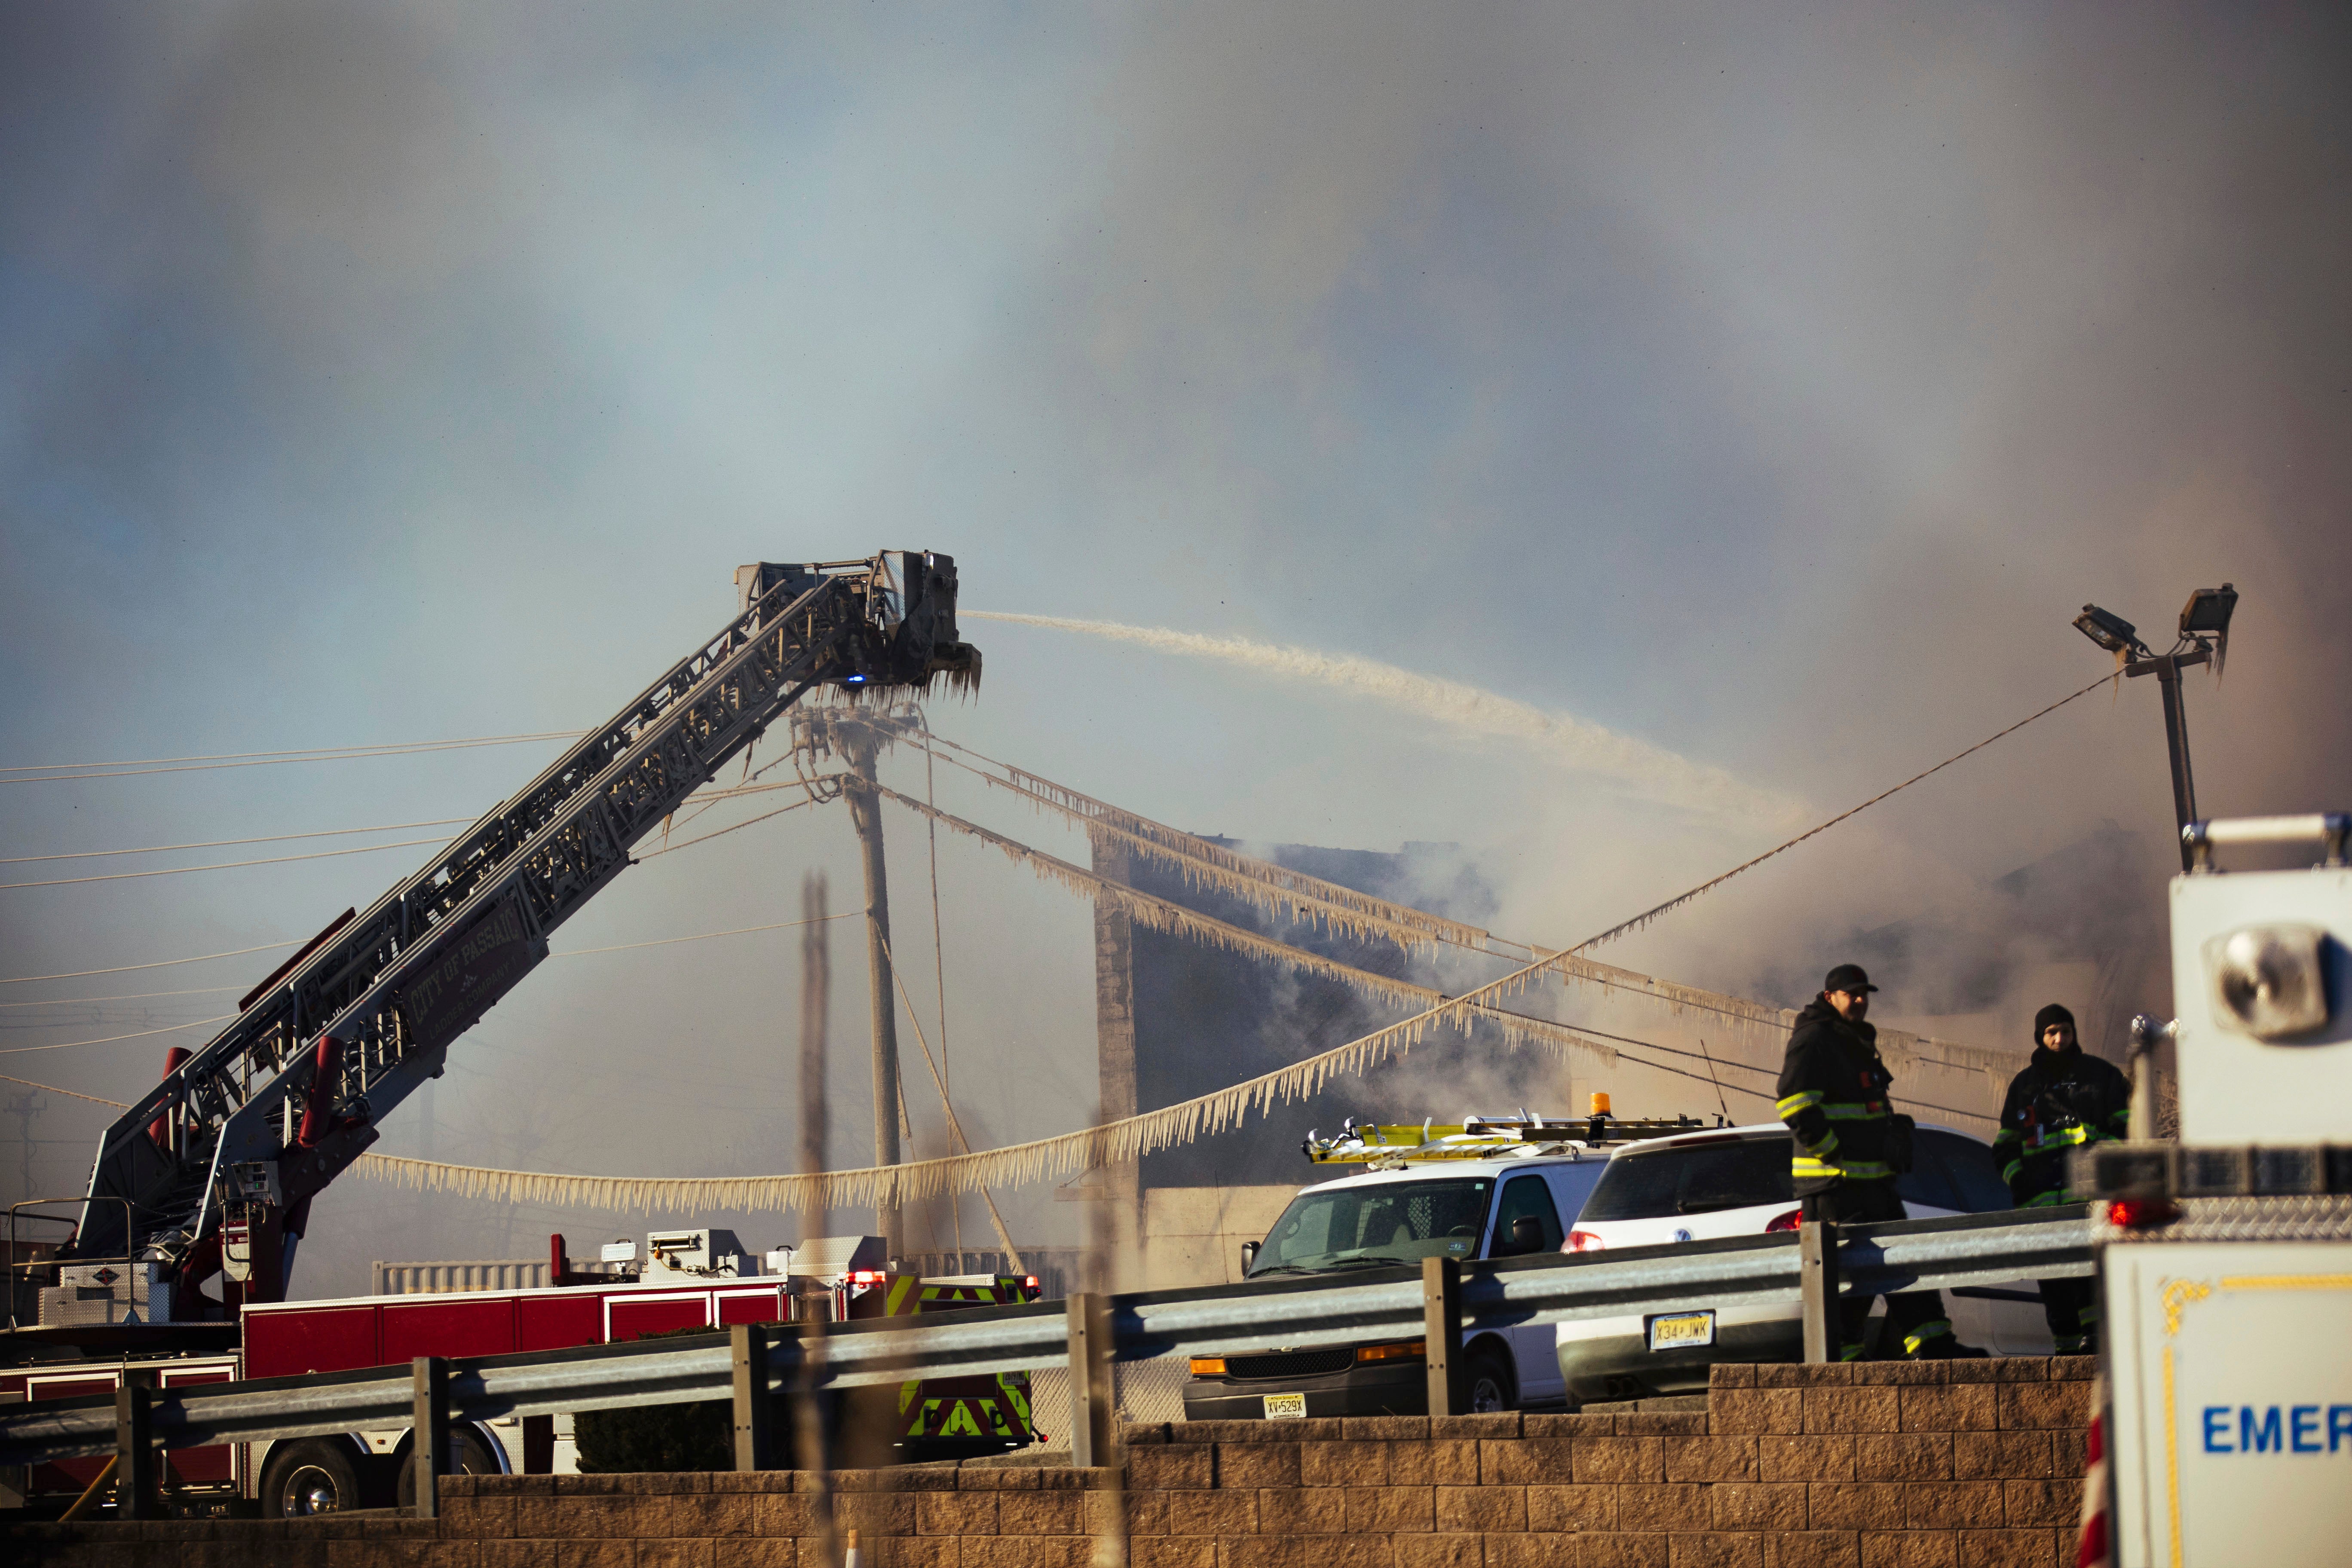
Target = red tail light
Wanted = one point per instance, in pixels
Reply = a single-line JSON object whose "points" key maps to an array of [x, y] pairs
{"points": [[2135, 1214], [1785, 1222], [1583, 1241]]}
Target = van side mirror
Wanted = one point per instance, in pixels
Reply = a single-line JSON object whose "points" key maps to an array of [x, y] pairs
{"points": [[1527, 1235], [1249, 1257]]}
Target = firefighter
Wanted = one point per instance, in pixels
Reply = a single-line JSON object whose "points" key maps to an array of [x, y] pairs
{"points": [[1850, 1147], [2062, 1101]]}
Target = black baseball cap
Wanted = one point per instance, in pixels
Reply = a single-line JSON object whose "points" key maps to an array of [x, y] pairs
{"points": [[1848, 978]]}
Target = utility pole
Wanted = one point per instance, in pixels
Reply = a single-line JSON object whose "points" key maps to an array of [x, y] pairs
{"points": [[817, 999], [865, 815], [1122, 1199]]}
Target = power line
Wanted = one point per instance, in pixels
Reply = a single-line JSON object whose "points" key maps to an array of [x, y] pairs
{"points": [[225, 843], [159, 963], [706, 936], [223, 865], [278, 759], [140, 1035], [126, 996]]}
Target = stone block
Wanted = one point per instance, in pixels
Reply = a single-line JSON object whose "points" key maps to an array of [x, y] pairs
{"points": [[1383, 1429], [1730, 1375], [1950, 1505], [1849, 1410], [1617, 1459], [1212, 1513], [2070, 1452], [876, 1513], [1526, 1461], [1484, 1429], [2003, 1456], [752, 1481], [1910, 1374], [891, 1551], [1854, 1505], [1715, 1549], [1440, 1551], [1667, 1505], [1176, 1466], [1709, 1458], [1531, 1551], [2053, 1504], [1038, 1513], [1135, 1434], [1903, 1457], [2074, 1368], [1799, 1374], [1951, 1407], [1804, 1458], [585, 1486], [1320, 1429], [785, 1513], [474, 1518], [1746, 1505], [1571, 1508], [2004, 1548], [620, 1553], [677, 1554], [1910, 1549], [1172, 1551], [1395, 1511], [560, 1518], [503, 1554], [1252, 1466], [1577, 1425], [1440, 1461], [1286, 1551], [1343, 1463], [2033, 1406], [1481, 1508], [1026, 1552], [1623, 1551], [1662, 1424], [1748, 1411], [1813, 1549], [2021, 1368]]}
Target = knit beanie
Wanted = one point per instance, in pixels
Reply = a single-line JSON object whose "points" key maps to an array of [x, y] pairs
{"points": [[2053, 1014]]}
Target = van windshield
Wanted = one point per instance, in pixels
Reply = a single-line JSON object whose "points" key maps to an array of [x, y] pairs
{"points": [[1695, 1178], [1389, 1222]]}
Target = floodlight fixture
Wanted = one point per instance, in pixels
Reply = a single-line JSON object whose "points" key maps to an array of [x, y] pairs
{"points": [[2109, 630], [2209, 610]]}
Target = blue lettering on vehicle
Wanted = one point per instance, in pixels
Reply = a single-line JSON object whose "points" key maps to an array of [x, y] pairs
{"points": [[2275, 1429]]}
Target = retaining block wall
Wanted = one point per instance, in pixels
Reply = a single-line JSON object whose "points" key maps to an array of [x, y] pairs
{"points": [[1951, 1464]]}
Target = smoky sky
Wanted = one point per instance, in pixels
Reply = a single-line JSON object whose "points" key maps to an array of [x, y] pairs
{"points": [[1770, 382]]}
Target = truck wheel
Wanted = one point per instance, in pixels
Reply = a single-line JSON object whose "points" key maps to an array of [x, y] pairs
{"points": [[478, 1461], [1488, 1385], [311, 1477]]}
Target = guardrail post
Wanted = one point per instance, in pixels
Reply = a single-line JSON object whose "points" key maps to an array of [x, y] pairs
{"points": [[134, 1449], [749, 1341], [1094, 1401], [1441, 1330], [1817, 1269], [428, 1446]]}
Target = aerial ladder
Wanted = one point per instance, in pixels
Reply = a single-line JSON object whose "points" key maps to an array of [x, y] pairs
{"points": [[213, 1169]]}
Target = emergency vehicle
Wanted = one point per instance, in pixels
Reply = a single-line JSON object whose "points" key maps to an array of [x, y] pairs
{"points": [[2225, 1259], [693, 1278], [1486, 1186]]}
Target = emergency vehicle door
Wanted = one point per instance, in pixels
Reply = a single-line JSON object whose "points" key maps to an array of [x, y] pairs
{"points": [[1534, 1351]]}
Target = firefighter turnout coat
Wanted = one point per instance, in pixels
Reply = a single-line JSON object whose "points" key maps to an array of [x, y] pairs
{"points": [[2062, 1101], [1833, 1095]]}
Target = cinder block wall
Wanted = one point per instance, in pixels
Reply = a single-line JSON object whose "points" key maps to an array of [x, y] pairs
{"points": [[1952, 1464]]}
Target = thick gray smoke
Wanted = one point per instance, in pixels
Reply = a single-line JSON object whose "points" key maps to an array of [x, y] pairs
{"points": [[1768, 385]]}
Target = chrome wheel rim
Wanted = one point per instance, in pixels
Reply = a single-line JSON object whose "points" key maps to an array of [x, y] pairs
{"points": [[310, 1491]]}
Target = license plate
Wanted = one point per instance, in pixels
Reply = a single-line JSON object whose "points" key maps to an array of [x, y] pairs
{"points": [[1286, 1408], [1682, 1331]]}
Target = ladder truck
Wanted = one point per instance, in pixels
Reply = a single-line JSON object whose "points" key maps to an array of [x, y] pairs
{"points": [[213, 1170]]}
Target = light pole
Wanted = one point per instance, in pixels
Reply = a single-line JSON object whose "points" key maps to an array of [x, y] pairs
{"points": [[2204, 639]]}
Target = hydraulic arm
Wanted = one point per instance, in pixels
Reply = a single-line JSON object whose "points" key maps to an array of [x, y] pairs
{"points": [[288, 1095]]}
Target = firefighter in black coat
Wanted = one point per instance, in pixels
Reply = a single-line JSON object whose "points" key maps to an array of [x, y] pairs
{"points": [[1850, 1147], [2062, 1101]]}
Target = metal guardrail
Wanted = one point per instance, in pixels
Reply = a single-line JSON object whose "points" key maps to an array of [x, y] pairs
{"points": [[1318, 1310]]}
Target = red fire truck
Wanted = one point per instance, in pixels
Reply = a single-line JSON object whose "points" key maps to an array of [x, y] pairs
{"points": [[689, 1280]]}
